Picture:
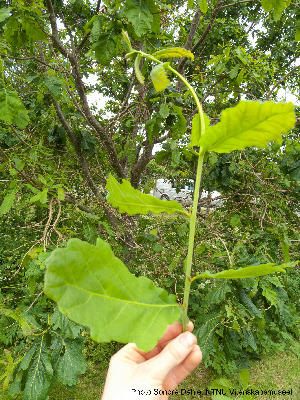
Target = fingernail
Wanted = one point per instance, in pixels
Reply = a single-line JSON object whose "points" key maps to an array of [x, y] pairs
{"points": [[187, 338]]}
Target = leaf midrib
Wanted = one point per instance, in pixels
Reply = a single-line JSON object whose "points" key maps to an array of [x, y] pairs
{"points": [[220, 140], [120, 300]]}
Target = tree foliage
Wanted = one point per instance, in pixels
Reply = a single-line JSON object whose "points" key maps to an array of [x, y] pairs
{"points": [[57, 150]]}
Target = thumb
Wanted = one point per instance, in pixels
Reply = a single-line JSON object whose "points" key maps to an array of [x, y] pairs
{"points": [[172, 355]]}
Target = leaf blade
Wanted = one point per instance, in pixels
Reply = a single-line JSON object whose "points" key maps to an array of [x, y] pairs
{"points": [[196, 129], [175, 52], [7, 202], [132, 201], [159, 78], [246, 272], [249, 124], [12, 110], [84, 279]]}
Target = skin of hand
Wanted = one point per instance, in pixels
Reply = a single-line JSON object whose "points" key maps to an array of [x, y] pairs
{"points": [[135, 375]]}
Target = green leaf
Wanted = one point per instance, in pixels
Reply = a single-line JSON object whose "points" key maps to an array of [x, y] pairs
{"points": [[217, 295], [196, 129], [249, 339], [60, 193], [247, 272], [297, 37], [130, 200], [68, 328], [175, 52], [234, 72], [206, 332], [104, 48], [12, 110], [138, 13], [270, 295], [4, 13], [71, 364], [203, 6], [7, 202], [235, 220], [164, 110], [278, 6], [179, 128], [137, 70], [40, 196], [39, 376], [190, 4], [126, 39], [249, 305], [95, 289], [249, 124], [159, 78], [55, 86], [26, 326]]}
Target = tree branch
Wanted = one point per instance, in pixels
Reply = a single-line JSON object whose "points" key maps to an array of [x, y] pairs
{"points": [[209, 26], [188, 44], [280, 80], [93, 122]]}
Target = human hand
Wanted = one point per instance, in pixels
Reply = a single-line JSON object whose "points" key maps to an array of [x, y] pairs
{"points": [[136, 375]]}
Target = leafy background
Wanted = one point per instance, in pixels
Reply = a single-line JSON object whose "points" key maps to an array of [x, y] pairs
{"points": [[57, 151]]}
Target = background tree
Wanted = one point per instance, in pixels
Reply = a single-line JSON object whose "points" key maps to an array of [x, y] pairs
{"points": [[57, 149]]}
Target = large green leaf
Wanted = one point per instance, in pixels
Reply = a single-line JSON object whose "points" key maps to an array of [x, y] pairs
{"points": [[247, 272], [249, 124], [94, 288], [12, 110], [138, 13], [132, 201]]}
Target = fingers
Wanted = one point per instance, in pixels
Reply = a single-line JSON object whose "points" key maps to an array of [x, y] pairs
{"points": [[179, 373], [171, 333], [171, 356]]}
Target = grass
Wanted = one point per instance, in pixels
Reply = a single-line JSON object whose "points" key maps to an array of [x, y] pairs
{"points": [[278, 371]]}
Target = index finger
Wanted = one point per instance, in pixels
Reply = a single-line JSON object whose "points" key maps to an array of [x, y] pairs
{"points": [[171, 333]]}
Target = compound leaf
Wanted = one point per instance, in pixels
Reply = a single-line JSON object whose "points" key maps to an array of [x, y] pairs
{"points": [[247, 272], [249, 124], [175, 52], [95, 289], [159, 78], [12, 110], [130, 200]]}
